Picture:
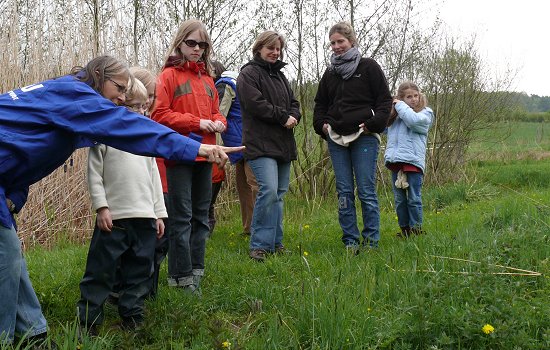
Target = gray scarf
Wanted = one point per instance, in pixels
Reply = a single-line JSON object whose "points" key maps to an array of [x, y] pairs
{"points": [[346, 63]]}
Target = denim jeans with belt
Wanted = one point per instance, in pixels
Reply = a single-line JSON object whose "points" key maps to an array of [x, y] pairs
{"points": [[20, 310], [408, 202], [189, 192], [357, 160], [273, 178]]}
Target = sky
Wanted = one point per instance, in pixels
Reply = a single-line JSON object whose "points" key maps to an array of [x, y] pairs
{"points": [[510, 33]]}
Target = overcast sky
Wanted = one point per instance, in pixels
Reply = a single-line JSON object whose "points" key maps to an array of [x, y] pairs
{"points": [[509, 33]]}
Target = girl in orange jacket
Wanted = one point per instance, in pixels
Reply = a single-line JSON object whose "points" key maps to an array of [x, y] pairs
{"points": [[187, 102]]}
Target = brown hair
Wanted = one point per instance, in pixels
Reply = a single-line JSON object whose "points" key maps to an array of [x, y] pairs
{"points": [[346, 30], [184, 30], [100, 69], [268, 38], [422, 103], [218, 69]]}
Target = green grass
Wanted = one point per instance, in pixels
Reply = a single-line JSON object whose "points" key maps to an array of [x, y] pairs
{"points": [[429, 292], [407, 295]]}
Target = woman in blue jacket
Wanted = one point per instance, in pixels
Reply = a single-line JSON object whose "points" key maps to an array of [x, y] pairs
{"points": [[405, 155], [40, 126]]}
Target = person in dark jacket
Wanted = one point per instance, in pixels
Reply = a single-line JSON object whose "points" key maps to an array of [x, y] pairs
{"points": [[40, 127], [230, 107], [352, 106], [269, 113]]}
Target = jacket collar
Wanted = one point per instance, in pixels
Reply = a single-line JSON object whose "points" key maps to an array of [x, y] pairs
{"points": [[272, 68]]}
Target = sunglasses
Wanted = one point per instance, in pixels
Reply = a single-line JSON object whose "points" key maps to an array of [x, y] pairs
{"points": [[121, 88], [192, 43]]}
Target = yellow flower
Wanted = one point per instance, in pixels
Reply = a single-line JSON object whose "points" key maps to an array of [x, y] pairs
{"points": [[369, 309], [306, 227], [226, 344], [488, 329], [79, 346], [306, 253]]}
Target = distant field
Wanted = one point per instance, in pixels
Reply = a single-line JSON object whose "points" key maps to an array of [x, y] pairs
{"points": [[515, 140]]}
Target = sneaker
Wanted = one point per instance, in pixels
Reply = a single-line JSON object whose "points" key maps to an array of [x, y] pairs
{"points": [[418, 231], [352, 249], [281, 250], [258, 255]]}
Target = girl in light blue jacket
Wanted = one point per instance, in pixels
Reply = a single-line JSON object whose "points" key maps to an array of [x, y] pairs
{"points": [[405, 155]]}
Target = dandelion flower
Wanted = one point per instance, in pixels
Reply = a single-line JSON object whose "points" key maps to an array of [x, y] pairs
{"points": [[369, 309], [306, 227], [488, 329], [226, 344], [306, 253]]}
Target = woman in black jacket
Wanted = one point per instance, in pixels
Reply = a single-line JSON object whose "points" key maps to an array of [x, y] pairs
{"points": [[352, 106], [269, 113]]}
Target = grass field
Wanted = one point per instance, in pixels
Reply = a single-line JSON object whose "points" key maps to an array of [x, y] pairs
{"points": [[485, 261]]}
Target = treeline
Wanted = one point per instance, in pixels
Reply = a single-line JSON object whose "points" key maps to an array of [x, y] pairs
{"points": [[532, 103]]}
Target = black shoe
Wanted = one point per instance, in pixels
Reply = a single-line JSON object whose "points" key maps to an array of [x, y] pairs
{"points": [[132, 324], [90, 331], [38, 342]]}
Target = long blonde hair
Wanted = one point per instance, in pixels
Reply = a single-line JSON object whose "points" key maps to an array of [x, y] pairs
{"points": [[422, 102], [184, 30]]}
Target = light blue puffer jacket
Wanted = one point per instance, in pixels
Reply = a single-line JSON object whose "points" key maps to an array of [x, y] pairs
{"points": [[408, 135]]}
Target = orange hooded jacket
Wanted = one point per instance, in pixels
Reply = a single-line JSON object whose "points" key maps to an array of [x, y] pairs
{"points": [[185, 95]]}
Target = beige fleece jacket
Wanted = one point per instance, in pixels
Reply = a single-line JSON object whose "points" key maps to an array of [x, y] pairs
{"points": [[129, 185]]}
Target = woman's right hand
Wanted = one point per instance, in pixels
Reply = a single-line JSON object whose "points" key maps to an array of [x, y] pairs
{"points": [[217, 154], [291, 122], [325, 128]]}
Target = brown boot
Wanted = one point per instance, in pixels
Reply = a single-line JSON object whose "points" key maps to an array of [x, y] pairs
{"points": [[405, 232], [258, 255]]}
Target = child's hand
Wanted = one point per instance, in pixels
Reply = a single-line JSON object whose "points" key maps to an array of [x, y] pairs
{"points": [[325, 128], [220, 127], [395, 100], [160, 228], [207, 125], [104, 219]]}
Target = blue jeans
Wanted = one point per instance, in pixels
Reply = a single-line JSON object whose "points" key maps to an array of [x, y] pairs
{"points": [[408, 202], [273, 178], [20, 310], [189, 193], [359, 160]]}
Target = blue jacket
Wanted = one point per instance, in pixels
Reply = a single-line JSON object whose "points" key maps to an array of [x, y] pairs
{"points": [[233, 134], [407, 136], [42, 124]]}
